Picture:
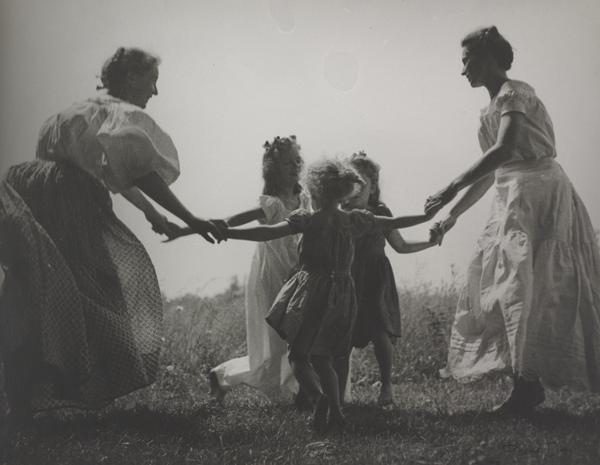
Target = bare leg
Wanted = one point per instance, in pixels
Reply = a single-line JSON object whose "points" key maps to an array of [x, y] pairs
{"points": [[309, 384], [331, 389], [306, 377], [303, 401], [341, 365], [384, 353]]}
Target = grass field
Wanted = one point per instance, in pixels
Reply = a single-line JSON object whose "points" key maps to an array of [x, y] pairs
{"points": [[434, 421]]}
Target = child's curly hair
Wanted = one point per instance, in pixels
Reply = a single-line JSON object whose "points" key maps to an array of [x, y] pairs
{"points": [[331, 180], [368, 168], [271, 160]]}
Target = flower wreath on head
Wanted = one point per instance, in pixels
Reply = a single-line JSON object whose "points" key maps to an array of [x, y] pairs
{"points": [[280, 144]]}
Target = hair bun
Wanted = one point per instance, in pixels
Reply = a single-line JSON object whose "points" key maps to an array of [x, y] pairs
{"points": [[491, 41]]}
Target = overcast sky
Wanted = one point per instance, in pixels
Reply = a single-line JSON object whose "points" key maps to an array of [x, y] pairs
{"points": [[343, 75]]}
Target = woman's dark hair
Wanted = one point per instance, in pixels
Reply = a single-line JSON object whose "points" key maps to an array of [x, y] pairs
{"points": [[489, 40], [124, 61], [368, 168], [271, 160]]}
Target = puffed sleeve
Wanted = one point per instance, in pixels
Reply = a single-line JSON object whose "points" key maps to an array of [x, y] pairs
{"points": [[361, 222], [134, 146], [516, 97], [271, 206], [298, 220]]}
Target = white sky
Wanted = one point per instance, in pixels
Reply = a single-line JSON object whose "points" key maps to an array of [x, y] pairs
{"points": [[343, 75]]}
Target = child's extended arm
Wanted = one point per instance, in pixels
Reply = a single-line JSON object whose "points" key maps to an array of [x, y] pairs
{"points": [[399, 222], [397, 242], [234, 220], [246, 217], [261, 233]]}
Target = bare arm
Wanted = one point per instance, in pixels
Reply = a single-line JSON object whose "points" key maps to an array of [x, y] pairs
{"points": [[397, 242], [155, 187], [160, 223], [234, 220], [135, 197], [472, 195], [497, 155], [265, 232], [399, 222], [500, 153], [246, 217]]}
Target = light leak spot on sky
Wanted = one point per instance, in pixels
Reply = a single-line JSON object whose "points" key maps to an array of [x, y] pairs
{"points": [[282, 12], [341, 70]]}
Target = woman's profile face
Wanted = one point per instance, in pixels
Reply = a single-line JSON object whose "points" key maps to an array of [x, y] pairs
{"points": [[476, 66], [142, 87]]}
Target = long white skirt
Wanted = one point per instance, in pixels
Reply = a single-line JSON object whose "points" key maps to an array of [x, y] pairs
{"points": [[266, 366], [532, 298]]}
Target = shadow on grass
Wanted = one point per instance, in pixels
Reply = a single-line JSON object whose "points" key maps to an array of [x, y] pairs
{"points": [[372, 421], [141, 420]]}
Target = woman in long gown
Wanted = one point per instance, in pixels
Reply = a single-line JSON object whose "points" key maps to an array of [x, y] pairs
{"points": [[532, 299], [81, 310]]}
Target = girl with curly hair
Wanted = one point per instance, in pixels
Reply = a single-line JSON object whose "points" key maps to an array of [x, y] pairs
{"points": [[316, 308]]}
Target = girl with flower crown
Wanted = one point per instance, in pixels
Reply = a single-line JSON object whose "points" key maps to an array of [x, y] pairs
{"points": [[266, 367], [316, 309], [378, 318]]}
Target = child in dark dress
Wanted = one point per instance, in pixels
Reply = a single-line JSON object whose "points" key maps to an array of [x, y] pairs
{"points": [[316, 309], [378, 318]]}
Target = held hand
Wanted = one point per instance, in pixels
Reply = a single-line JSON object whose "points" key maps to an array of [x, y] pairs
{"points": [[436, 202], [222, 227], [436, 234], [448, 222], [161, 225], [207, 230], [176, 232], [439, 229]]}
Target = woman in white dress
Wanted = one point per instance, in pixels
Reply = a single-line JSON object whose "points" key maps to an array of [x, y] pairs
{"points": [[81, 310], [532, 299]]}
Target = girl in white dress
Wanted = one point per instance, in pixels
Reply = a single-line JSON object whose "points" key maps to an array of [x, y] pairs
{"points": [[266, 366], [532, 299]]}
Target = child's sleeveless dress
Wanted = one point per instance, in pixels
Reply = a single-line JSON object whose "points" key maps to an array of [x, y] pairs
{"points": [[316, 309], [378, 306]]}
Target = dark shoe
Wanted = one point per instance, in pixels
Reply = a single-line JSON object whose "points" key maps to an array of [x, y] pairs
{"points": [[216, 391], [525, 396]]}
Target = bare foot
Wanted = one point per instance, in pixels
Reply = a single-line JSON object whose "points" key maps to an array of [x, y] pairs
{"points": [[320, 415], [303, 402], [386, 396], [337, 421]]}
